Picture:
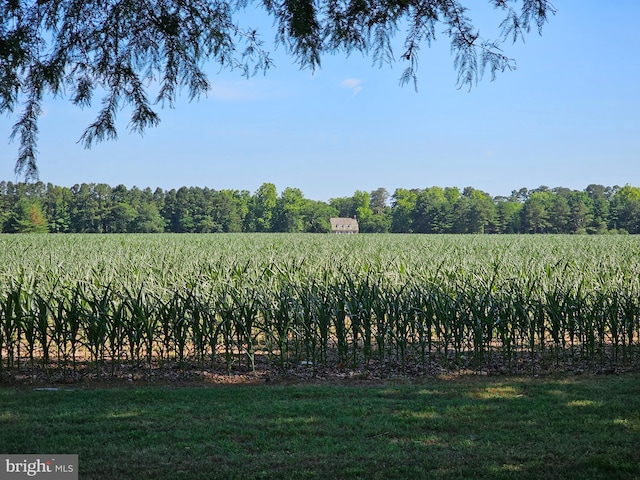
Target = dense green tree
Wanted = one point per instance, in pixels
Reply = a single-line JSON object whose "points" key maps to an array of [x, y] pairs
{"points": [[184, 207], [158, 199], [379, 222], [519, 195], [57, 201], [169, 210], [104, 198], [345, 206], [227, 211], [242, 200], [289, 212], [378, 199], [261, 208], [123, 216], [581, 217], [99, 208], [194, 211], [5, 202], [121, 211], [316, 216], [535, 212], [560, 212], [599, 196], [26, 217], [434, 210], [202, 200], [147, 220], [626, 205], [85, 210], [508, 218], [363, 211], [474, 212], [381, 219], [403, 205]]}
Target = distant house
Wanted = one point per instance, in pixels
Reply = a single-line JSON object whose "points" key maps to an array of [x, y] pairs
{"points": [[344, 225]]}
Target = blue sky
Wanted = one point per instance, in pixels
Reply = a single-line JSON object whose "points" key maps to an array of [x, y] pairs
{"points": [[568, 116]]}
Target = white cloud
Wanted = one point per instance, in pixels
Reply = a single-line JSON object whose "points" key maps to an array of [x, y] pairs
{"points": [[354, 84]]}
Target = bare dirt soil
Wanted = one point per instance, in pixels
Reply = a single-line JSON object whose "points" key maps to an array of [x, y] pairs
{"points": [[85, 373]]}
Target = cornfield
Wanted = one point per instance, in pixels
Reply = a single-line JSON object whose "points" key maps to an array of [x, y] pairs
{"points": [[397, 303]]}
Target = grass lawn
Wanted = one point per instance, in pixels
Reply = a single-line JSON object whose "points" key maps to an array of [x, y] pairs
{"points": [[580, 427]]}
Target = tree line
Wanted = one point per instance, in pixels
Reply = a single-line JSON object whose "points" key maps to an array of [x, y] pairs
{"points": [[100, 208]]}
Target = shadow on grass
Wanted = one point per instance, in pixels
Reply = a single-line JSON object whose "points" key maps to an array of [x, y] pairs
{"points": [[573, 427]]}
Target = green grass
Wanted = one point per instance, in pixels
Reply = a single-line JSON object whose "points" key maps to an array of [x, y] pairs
{"points": [[582, 427]]}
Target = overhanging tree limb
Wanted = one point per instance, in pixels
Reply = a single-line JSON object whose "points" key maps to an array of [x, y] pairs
{"points": [[121, 47]]}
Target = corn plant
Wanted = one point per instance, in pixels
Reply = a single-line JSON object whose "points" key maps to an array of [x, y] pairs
{"points": [[157, 299]]}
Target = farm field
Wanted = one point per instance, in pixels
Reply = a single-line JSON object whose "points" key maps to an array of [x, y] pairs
{"points": [[76, 307]]}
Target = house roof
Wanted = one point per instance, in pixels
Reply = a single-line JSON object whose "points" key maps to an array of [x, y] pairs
{"points": [[343, 223]]}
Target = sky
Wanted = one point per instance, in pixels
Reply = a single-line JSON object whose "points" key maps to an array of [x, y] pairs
{"points": [[568, 116]]}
